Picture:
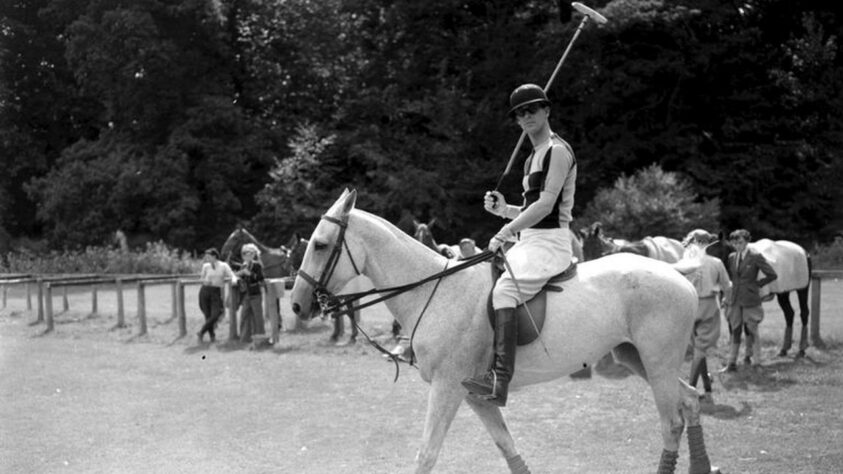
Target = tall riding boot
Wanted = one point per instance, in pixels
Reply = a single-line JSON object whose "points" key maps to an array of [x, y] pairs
{"points": [[803, 341], [494, 384], [787, 341]]}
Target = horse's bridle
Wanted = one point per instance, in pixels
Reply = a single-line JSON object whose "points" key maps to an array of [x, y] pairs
{"points": [[341, 304], [328, 301]]}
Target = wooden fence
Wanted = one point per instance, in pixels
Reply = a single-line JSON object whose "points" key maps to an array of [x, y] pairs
{"points": [[817, 277], [46, 284]]}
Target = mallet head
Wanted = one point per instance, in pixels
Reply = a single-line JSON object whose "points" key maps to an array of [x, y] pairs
{"points": [[598, 18]]}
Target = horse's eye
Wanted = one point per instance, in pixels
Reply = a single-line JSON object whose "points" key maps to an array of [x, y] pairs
{"points": [[320, 246]]}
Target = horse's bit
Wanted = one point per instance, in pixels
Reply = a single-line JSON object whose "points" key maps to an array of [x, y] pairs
{"points": [[328, 301]]}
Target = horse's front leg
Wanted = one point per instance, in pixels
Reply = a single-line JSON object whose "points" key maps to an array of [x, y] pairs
{"points": [[442, 403], [492, 419]]}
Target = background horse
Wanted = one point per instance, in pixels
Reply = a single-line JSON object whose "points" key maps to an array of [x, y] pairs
{"points": [[660, 248], [424, 234], [275, 261], [641, 310], [793, 267]]}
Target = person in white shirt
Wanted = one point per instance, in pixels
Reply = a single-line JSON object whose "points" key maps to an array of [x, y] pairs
{"points": [[214, 274]]}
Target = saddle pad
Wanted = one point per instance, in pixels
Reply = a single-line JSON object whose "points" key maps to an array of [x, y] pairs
{"points": [[527, 332]]}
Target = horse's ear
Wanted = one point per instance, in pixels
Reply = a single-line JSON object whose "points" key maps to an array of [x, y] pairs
{"points": [[432, 221], [416, 223], [350, 201]]}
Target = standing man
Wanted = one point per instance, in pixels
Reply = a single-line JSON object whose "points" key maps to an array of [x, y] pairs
{"points": [[711, 280], [540, 228], [744, 310]]}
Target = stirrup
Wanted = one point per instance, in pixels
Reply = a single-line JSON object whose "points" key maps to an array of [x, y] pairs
{"points": [[471, 383]]}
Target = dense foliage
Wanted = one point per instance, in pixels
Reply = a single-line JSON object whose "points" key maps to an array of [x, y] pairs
{"points": [[155, 258], [178, 119]]}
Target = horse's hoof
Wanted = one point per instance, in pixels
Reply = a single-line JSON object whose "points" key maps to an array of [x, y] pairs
{"points": [[783, 353], [800, 354]]}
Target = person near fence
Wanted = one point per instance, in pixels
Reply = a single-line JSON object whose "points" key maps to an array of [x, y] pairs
{"points": [[214, 274], [539, 228], [744, 311], [251, 275], [711, 280]]}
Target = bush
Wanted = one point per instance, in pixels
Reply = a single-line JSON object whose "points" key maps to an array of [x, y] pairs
{"points": [[157, 258], [651, 202]]}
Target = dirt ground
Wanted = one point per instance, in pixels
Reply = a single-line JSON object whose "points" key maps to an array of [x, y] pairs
{"points": [[91, 398]]}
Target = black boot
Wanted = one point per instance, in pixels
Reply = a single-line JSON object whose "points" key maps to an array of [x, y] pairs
{"points": [[494, 385]]}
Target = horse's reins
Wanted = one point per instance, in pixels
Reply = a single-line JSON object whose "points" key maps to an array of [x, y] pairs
{"points": [[339, 305]]}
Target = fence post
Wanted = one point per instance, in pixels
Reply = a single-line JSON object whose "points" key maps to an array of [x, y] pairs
{"points": [[94, 299], [142, 307], [232, 312], [48, 299], [816, 292], [173, 298], [178, 307], [64, 302], [40, 301], [118, 288], [28, 297]]}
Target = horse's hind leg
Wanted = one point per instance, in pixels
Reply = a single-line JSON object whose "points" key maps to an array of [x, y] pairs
{"points": [[804, 312], [667, 395], [787, 309], [690, 409], [493, 420]]}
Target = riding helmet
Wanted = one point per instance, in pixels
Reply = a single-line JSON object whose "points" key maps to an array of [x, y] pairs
{"points": [[526, 94]]}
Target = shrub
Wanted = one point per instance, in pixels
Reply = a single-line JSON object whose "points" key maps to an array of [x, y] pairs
{"points": [[157, 258], [651, 202]]}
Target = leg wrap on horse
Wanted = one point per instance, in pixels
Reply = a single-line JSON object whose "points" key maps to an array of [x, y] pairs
{"points": [[699, 462], [667, 464], [517, 465]]}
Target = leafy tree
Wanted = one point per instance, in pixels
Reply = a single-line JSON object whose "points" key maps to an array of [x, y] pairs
{"points": [[652, 202]]}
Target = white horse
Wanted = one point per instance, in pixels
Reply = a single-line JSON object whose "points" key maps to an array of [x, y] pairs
{"points": [[640, 309]]}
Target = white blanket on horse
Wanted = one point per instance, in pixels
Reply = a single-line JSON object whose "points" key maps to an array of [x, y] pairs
{"points": [[664, 248], [789, 260]]}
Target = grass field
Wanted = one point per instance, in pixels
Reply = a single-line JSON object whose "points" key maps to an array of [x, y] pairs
{"points": [[89, 397]]}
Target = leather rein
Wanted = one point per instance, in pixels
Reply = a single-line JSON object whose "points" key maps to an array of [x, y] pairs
{"points": [[339, 305]]}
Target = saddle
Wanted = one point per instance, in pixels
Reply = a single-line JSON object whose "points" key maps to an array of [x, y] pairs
{"points": [[537, 305]]}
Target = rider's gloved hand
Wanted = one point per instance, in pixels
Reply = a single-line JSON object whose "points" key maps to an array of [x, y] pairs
{"points": [[503, 235], [494, 202]]}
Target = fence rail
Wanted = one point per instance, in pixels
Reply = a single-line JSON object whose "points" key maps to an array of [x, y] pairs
{"points": [[273, 290], [46, 284]]}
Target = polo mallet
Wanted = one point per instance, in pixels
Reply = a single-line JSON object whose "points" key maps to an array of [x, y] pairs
{"points": [[588, 14]]}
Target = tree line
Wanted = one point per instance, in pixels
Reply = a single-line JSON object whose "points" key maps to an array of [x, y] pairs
{"points": [[180, 119]]}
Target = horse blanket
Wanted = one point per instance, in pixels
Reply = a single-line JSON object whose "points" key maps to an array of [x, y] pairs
{"points": [[789, 260]]}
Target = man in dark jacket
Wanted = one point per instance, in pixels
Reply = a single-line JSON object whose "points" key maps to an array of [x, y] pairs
{"points": [[744, 310]]}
